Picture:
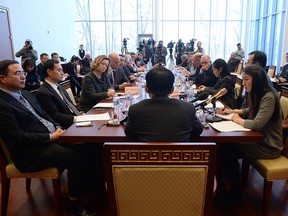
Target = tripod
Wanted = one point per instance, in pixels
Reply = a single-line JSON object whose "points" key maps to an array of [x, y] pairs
{"points": [[124, 50]]}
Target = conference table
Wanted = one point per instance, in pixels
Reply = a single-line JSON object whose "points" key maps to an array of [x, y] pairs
{"points": [[100, 133]]}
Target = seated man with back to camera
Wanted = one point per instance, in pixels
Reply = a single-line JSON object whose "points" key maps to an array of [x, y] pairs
{"points": [[161, 118]]}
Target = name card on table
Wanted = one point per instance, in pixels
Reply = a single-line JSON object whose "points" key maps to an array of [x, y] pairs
{"points": [[133, 89], [175, 93]]}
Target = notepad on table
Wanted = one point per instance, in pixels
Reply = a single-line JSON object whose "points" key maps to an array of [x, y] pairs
{"points": [[228, 126]]}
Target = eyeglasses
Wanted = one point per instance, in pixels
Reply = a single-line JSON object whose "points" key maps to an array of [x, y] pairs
{"points": [[20, 73]]}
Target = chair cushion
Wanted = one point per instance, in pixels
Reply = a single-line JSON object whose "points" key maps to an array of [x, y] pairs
{"points": [[272, 169], [49, 173], [160, 189]]}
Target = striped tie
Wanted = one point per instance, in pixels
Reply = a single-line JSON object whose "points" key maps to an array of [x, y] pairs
{"points": [[71, 107]]}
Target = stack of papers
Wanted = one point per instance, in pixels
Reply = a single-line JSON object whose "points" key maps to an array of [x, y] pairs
{"points": [[103, 105]]}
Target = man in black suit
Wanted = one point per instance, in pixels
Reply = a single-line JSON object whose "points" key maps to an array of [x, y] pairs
{"points": [[52, 100], [43, 58], [31, 136], [206, 76], [161, 118]]}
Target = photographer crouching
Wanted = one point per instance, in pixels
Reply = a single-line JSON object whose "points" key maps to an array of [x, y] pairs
{"points": [[27, 51]]}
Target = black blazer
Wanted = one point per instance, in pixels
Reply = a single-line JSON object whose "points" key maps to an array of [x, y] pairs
{"points": [[53, 104], [162, 119], [229, 98], [207, 78], [22, 131]]}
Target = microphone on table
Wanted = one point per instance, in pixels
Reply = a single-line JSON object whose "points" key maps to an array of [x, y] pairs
{"points": [[202, 96], [212, 99]]}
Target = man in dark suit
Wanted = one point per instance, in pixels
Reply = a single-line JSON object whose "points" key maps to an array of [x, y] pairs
{"points": [[43, 58], [206, 76], [52, 100], [116, 74], [161, 118], [31, 136]]}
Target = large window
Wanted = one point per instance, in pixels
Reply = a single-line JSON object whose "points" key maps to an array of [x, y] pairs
{"points": [[267, 29], [218, 24]]}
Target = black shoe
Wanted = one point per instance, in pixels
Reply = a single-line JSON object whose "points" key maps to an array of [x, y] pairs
{"points": [[76, 208]]}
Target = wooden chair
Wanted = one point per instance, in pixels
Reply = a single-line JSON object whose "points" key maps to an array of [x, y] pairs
{"points": [[66, 85], [160, 178], [270, 169], [239, 68], [9, 171], [271, 71]]}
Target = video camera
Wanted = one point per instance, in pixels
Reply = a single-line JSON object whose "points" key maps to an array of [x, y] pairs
{"points": [[28, 45], [125, 42], [141, 45]]}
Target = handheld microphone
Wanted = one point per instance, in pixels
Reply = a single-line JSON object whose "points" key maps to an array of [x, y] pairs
{"points": [[202, 96], [212, 99]]}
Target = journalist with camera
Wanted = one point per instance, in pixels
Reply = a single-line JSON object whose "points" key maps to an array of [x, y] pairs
{"points": [[27, 51]]}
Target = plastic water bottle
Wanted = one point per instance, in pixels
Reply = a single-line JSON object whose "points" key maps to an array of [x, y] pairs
{"points": [[129, 99], [116, 111]]}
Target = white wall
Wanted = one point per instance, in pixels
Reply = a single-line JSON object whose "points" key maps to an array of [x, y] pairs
{"points": [[49, 24]]}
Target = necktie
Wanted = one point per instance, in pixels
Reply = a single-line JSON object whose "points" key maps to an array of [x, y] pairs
{"points": [[71, 107], [114, 77], [45, 122]]}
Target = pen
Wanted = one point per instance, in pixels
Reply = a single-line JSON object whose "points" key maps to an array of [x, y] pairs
{"points": [[101, 126]]}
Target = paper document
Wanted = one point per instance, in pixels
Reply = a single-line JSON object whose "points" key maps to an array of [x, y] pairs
{"points": [[225, 116], [93, 117], [228, 126], [103, 105]]}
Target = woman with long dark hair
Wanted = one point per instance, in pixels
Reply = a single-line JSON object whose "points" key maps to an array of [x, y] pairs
{"points": [[262, 114], [221, 71]]}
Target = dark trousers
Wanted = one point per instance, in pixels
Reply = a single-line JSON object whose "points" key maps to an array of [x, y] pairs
{"points": [[229, 168], [78, 164]]}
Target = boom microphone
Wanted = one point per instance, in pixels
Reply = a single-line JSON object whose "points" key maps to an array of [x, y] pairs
{"points": [[202, 96]]}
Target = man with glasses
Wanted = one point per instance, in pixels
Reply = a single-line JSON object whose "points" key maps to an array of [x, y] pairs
{"points": [[32, 136], [206, 76]]}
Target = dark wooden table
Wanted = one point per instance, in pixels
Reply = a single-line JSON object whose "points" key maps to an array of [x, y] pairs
{"points": [[100, 133]]}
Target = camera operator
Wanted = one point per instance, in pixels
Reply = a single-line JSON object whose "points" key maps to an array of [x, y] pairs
{"points": [[27, 51], [161, 52], [146, 50], [179, 50]]}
